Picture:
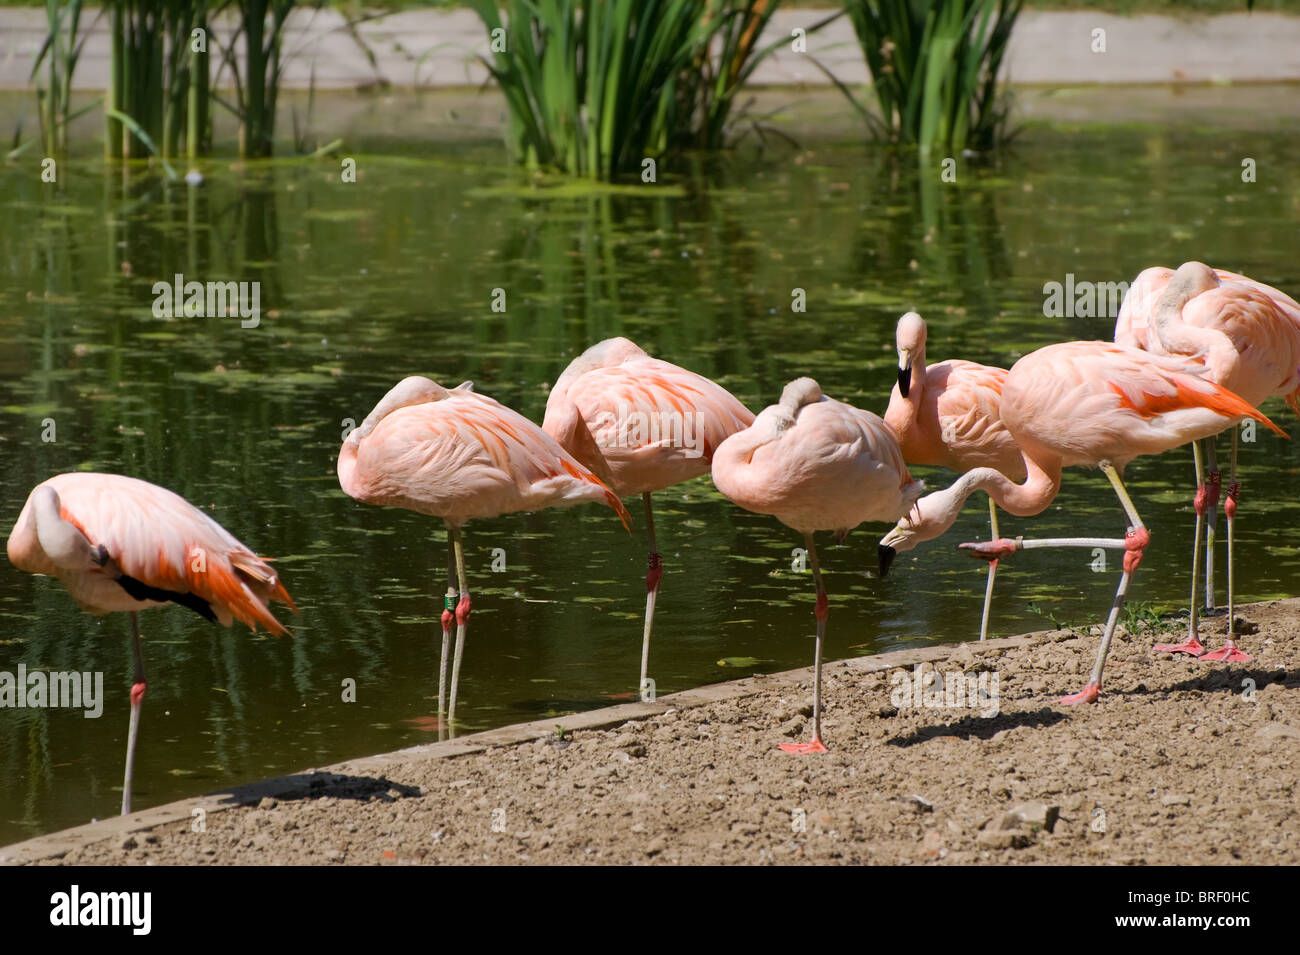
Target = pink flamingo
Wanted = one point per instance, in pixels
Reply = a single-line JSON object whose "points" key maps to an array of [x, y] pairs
{"points": [[1247, 334], [118, 543], [459, 455], [947, 414], [1088, 404], [642, 425], [815, 463]]}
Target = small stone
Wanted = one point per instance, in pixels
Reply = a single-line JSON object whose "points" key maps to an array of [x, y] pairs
{"points": [[267, 803], [655, 846], [1003, 839], [1037, 814], [1175, 799]]}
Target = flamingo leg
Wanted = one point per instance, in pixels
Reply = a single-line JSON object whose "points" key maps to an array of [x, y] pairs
{"points": [[993, 571], [1211, 526], [1138, 537], [137, 698], [654, 574], [1192, 644], [462, 619], [448, 615], [822, 611], [1230, 653]]}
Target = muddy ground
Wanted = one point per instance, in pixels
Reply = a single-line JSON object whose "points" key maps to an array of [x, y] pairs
{"points": [[1178, 763]]}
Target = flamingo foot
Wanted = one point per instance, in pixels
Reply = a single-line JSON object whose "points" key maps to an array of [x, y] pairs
{"points": [[1088, 694], [993, 550], [1190, 645], [814, 746], [1229, 654]]}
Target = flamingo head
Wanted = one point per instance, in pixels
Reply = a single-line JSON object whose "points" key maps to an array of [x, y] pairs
{"points": [[909, 338]]}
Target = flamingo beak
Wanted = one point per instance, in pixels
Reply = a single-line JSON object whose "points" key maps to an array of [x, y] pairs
{"points": [[886, 555], [904, 373]]}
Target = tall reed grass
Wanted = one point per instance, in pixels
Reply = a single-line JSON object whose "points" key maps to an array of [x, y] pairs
{"points": [[934, 66], [595, 87]]}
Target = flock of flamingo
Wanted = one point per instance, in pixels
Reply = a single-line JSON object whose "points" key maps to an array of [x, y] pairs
{"points": [[1195, 351]]}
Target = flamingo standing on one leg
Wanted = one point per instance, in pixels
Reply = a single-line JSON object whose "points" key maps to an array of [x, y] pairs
{"points": [[815, 463], [1247, 334], [948, 414], [119, 543], [459, 455], [1090, 404], [642, 424]]}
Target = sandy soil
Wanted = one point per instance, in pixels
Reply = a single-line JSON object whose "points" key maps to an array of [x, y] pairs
{"points": [[1178, 763]]}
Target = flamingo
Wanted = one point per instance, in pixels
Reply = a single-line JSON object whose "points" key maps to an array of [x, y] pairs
{"points": [[947, 414], [815, 463], [1247, 334], [458, 455], [642, 425], [119, 543], [1089, 404]]}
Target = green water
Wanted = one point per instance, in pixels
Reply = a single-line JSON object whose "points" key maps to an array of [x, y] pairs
{"points": [[363, 283]]}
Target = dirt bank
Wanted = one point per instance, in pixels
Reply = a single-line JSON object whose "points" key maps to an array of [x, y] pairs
{"points": [[1178, 763]]}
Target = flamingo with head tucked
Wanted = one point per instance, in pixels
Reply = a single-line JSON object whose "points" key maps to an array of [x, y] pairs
{"points": [[458, 455], [1084, 404], [118, 543], [1247, 335], [642, 424], [814, 464], [947, 414]]}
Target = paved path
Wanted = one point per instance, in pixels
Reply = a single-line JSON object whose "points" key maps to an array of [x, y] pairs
{"points": [[439, 48]]}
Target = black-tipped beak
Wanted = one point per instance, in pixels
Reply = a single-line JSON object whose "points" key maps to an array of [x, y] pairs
{"points": [[904, 380], [887, 555]]}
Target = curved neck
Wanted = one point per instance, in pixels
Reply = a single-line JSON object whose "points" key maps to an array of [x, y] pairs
{"points": [[935, 513], [1177, 337]]}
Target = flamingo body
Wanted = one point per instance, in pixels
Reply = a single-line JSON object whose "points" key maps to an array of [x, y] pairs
{"points": [[152, 536], [815, 463], [459, 455], [642, 424], [1245, 332]]}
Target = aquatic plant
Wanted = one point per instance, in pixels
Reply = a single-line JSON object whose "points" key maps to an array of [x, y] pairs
{"points": [[596, 87], [934, 66], [58, 55]]}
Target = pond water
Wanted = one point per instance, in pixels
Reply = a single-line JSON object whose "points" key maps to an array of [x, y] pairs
{"points": [[363, 283]]}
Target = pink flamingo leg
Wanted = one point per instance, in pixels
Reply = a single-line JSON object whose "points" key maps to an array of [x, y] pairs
{"points": [[1136, 541], [822, 611], [654, 574], [1192, 645], [462, 622], [448, 616], [1230, 653], [138, 688]]}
